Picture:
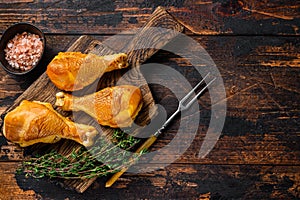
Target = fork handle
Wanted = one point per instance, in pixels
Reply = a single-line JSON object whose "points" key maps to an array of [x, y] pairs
{"points": [[144, 146]]}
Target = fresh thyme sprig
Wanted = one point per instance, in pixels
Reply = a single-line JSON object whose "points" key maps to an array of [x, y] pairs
{"points": [[100, 160]]}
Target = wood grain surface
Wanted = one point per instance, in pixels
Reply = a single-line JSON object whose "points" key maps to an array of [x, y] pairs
{"points": [[203, 17], [255, 46]]}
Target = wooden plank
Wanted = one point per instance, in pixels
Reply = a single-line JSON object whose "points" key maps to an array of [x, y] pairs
{"points": [[177, 181], [205, 17], [250, 17]]}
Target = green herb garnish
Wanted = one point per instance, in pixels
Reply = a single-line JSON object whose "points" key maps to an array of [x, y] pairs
{"points": [[100, 160]]}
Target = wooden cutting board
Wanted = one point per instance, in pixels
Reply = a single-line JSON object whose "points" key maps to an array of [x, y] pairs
{"points": [[43, 89]]}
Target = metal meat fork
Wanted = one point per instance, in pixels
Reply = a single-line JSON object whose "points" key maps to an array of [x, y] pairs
{"points": [[181, 107]]}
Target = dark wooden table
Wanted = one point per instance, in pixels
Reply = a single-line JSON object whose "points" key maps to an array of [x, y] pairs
{"points": [[256, 47]]}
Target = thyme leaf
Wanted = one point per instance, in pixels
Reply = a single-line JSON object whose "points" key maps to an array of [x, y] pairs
{"points": [[102, 159]]}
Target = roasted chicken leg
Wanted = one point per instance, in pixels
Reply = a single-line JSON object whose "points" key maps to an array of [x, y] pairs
{"points": [[72, 71], [113, 106], [33, 122]]}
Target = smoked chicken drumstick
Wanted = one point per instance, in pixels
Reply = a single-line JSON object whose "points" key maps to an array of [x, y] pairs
{"points": [[71, 71], [32, 122], [113, 106]]}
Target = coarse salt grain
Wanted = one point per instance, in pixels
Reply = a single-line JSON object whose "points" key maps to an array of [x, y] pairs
{"points": [[24, 51]]}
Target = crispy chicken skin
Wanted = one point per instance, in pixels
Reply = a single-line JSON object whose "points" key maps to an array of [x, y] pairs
{"points": [[71, 71], [33, 122], [113, 106]]}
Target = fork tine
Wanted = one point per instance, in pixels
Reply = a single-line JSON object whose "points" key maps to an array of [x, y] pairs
{"points": [[191, 92], [197, 95]]}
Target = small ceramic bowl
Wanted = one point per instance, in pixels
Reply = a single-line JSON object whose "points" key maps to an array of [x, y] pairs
{"points": [[9, 34]]}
